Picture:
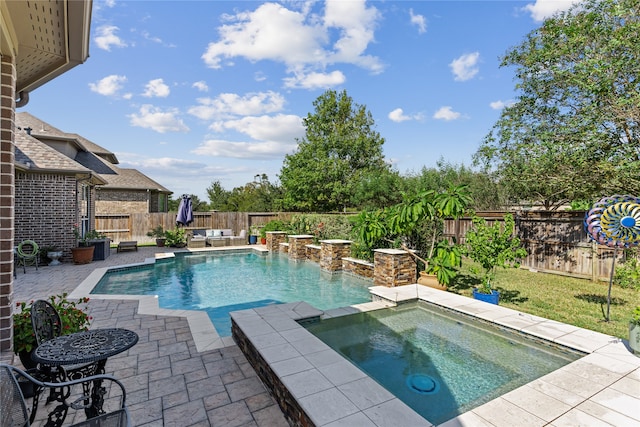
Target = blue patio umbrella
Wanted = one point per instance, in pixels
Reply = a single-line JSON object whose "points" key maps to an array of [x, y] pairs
{"points": [[185, 211]]}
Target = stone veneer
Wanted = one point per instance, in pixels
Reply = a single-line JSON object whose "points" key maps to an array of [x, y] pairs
{"points": [[358, 267], [313, 253], [332, 252], [393, 267], [274, 238], [298, 246]]}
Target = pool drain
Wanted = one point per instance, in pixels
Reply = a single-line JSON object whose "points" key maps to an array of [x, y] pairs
{"points": [[422, 384]]}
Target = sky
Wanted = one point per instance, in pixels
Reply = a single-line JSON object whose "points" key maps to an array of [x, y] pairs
{"points": [[193, 92]]}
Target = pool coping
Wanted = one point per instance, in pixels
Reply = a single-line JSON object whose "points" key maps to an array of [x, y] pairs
{"points": [[204, 333], [332, 392]]}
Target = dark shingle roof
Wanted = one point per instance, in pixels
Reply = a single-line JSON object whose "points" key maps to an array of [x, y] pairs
{"points": [[90, 156], [30, 151]]}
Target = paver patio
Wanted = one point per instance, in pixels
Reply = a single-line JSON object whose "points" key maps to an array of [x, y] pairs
{"points": [[168, 382]]}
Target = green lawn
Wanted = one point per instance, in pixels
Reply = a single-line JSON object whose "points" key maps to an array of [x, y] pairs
{"points": [[574, 301]]}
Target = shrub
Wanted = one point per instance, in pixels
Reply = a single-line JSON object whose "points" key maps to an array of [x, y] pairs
{"points": [[72, 317], [627, 274]]}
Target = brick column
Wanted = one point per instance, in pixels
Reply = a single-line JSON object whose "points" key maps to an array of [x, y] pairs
{"points": [[274, 238], [332, 252], [393, 267], [7, 191], [298, 246]]}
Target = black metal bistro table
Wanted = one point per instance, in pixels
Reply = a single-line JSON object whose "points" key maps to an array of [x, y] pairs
{"points": [[92, 346]]}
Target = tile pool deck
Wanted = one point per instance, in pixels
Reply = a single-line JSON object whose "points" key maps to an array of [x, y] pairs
{"points": [[181, 373]]}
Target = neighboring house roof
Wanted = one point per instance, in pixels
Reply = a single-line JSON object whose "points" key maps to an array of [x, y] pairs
{"points": [[132, 179], [95, 148], [89, 155], [119, 178], [32, 154]]}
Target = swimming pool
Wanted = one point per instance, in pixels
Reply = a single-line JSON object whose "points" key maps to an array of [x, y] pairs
{"points": [[439, 363], [221, 282]]}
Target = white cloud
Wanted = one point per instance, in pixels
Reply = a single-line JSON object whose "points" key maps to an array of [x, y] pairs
{"points": [[315, 80], [398, 116], [542, 9], [231, 104], [154, 118], [244, 150], [465, 67], [446, 113], [499, 104], [419, 21], [281, 128], [156, 88], [201, 86], [106, 37], [299, 39], [108, 86]]}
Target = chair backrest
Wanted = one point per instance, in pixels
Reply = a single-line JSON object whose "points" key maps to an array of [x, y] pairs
{"points": [[13, 409], [45, 321], [243, 233]]}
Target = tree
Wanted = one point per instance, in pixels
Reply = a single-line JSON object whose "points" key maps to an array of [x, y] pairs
{"points": [[218, 196], [259, 195], [573, 132], [485, 192], [340, 149]]}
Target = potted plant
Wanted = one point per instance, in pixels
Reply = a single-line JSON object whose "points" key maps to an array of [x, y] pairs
{"points": [[634, 331], [159, 235], [176, 238], [101, 244], [254, 232], [425, 212], [72, 315], [273, 225], [492, 247], [83, 253]]}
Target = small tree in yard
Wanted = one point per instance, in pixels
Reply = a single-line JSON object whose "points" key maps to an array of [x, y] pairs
{"points": [[492, 247]]}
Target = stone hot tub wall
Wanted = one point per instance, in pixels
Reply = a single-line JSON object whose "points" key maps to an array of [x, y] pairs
{"points": [[393, 267]]}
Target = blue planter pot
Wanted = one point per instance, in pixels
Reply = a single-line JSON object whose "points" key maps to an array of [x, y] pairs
{"points": [[253, 240], [491, 298]]}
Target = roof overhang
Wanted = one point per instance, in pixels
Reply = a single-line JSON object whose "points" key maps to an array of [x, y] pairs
{"points": [[46, 37]]}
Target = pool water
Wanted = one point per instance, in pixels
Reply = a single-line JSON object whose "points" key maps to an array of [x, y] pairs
{"points": [[220, 283], [439, 363]]}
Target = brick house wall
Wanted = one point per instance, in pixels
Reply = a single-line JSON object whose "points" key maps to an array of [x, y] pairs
{"points": [[7, 191], [129, 201], [119, 201], [47, 210]]}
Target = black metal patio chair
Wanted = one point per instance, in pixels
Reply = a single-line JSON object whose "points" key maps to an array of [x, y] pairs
{"points": [[13, 407], [47, 325]]}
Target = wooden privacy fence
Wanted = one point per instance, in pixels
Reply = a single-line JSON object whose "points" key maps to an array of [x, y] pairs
{"points": [[135, 226], [555, 241]]}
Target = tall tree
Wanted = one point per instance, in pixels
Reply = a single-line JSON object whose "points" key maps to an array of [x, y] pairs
{"points": [[340, 148], [218, 196], [574, 131]]}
